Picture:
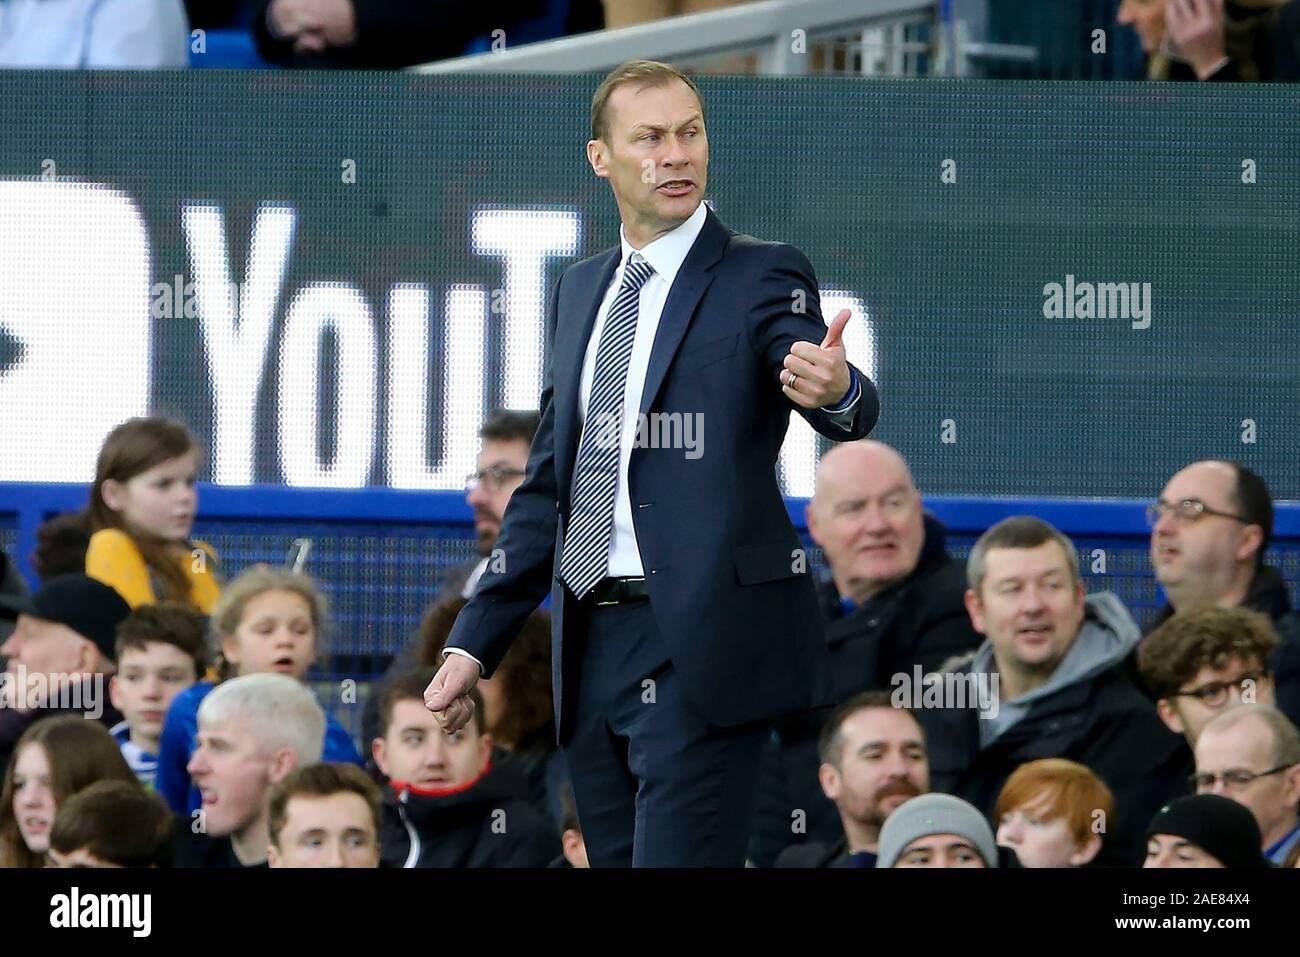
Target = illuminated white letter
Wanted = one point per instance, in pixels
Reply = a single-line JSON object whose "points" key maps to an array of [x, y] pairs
{"points": [[315, 308], [236, 354], [461, 402], [526, 239]]}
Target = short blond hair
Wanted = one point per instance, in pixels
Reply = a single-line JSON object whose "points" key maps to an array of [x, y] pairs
{"points": [[644, 72]]}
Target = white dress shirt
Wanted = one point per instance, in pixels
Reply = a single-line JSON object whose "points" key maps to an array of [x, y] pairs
{"points": [[665, 255]]}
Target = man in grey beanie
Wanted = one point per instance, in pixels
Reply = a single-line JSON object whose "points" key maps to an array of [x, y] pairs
{"points": [[937, 830]]}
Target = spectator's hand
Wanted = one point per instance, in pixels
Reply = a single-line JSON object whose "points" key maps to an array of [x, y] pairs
{"points": [[314, 24], [448, 693], [820, 373], [1196, 32]]}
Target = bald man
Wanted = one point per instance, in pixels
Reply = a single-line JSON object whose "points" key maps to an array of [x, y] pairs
{"points": [[893, 599], [1209, 531]]}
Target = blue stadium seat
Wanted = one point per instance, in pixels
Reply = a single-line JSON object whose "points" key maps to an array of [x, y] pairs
{"points": [[229, 49], [548, 26]]}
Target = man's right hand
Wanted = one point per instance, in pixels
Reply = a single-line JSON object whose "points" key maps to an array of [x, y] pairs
{"points": [[448, 693]]}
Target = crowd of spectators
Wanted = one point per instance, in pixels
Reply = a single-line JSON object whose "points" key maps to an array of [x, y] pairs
{"points": [[992, 712], [1252, 40]]}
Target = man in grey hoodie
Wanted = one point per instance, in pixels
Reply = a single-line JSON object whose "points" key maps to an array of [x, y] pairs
{"points": [[1051, 685]]}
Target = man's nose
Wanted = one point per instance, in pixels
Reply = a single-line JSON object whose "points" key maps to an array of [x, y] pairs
{"points": [[475, 496], [334, 854]]}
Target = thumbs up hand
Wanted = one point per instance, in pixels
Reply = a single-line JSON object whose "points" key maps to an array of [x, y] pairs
{"points": [[818, 375]]}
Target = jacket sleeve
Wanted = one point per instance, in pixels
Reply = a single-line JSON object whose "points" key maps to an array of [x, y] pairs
{"points": [[1145, 765], [513, 586], [175, 746], [339, 745], [785, 282], [113, 559]]}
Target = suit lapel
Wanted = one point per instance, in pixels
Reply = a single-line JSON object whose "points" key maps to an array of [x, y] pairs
{"points": [[688, 287], [570, 348]]}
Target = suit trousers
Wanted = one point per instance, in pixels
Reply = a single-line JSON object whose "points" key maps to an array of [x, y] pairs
{"points": [[655, 784]]}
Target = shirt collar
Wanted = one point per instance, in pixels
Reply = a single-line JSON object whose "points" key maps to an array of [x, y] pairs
{"points": [[667, 253]]}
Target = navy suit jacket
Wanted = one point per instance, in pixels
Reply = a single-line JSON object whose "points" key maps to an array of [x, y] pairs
{"points": [[730, 591]]}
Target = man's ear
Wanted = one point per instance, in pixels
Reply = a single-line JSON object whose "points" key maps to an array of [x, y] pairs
{"points": [[113, 696], [272, 855], [975, 608], [598, 157], [283, 761], [378, 751], [1169, 715], [829, 778], [88, 657], [1252, 540], [810, 519]]}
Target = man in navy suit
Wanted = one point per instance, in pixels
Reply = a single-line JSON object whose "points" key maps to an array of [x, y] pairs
{"points": [[684, 616]]}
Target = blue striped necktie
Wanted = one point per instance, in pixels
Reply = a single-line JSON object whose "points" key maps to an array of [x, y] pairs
{"points": [[584, 557]]}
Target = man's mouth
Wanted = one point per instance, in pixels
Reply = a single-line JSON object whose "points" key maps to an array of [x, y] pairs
{"points": [[1034, 632], [153, 716], [676, 187]]}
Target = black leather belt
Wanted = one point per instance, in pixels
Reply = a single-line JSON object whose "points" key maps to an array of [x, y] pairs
{"points": [[616, 591]]}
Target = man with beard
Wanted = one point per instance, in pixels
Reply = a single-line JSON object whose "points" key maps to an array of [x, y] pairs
{"points": [[873, 759], [507, 436]]}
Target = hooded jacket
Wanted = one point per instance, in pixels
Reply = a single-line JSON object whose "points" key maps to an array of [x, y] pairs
{"points": [[1088, 711], [922, 621], [485, 823]]}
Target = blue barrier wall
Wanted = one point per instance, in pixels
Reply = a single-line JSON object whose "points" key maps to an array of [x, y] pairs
{"points": [[378, 553]]}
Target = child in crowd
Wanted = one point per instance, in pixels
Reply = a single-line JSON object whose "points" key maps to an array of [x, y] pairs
{"points": [[112, 824], [55, 759], [1054, 813], [142, 509], [161, 651], [267, 620], [447, 804]]}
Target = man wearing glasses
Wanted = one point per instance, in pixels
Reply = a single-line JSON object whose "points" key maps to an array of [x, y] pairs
{"points": [[1209, 532], [507, 436], [1200, 663], [1252, 755]]}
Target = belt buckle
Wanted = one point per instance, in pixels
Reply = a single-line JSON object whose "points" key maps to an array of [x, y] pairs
{"points": [[612, 601]]}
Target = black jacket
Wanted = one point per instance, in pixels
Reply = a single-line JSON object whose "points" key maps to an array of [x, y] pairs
{"points": [[488, 824], [14, 723], [816, 854], [1103, 722], [920, 621], [1268, 593]]}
